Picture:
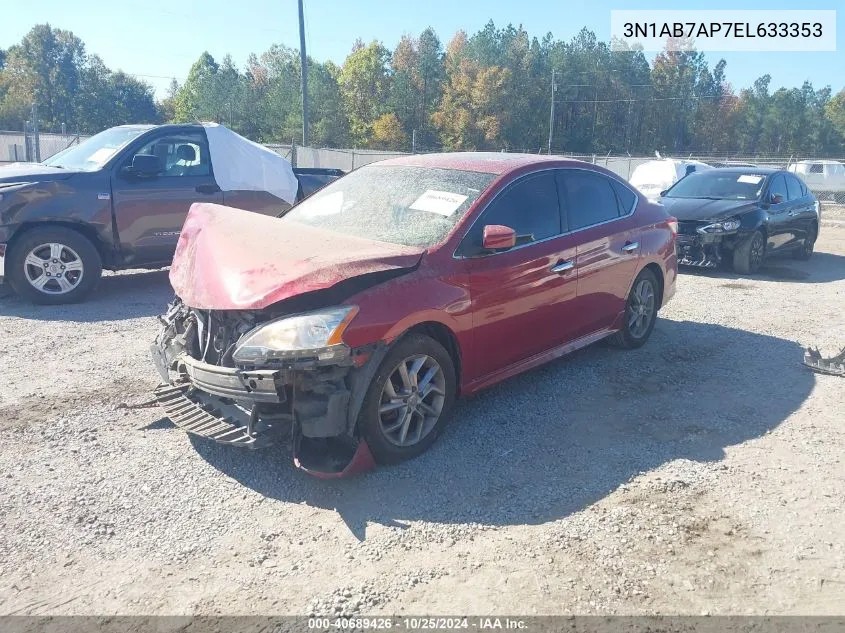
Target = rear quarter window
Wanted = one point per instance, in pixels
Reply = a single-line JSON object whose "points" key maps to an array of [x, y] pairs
{"points": [[626, 197]]}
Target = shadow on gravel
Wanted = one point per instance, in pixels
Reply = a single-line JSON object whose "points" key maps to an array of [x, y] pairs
{"points": [[822, 268], [124, 296], [557, 439]]}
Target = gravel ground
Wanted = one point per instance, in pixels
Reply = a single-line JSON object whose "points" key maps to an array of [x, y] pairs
{"points": [[701, 474]]}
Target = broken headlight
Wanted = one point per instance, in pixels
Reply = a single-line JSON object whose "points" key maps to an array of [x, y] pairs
{"points": [[309, 335], [723, 226]]}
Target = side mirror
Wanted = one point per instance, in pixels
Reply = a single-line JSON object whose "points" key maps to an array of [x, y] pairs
{"points": [[498, 237], [144, 166], [664, 192], [776, 198]]}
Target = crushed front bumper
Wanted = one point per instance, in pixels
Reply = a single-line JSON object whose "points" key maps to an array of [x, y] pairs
{"points": [[311, 408], [706, 250]]}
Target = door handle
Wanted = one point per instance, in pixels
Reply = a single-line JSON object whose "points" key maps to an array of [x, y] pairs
{"points": [[207, 189], [630, 247], [562, 267]]}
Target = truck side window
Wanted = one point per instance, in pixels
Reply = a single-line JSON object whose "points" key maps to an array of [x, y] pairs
{"points": [[180, 154]]}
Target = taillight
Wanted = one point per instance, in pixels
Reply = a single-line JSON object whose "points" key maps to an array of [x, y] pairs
{"points": [[673, 225]]}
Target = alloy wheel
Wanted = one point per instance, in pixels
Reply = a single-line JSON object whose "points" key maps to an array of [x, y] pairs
{"points": [[641, 308], [412, 400], [53, 268], [755, 255]]}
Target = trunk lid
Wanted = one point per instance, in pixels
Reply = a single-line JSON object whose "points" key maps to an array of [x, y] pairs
{"points": [[229, 259]]}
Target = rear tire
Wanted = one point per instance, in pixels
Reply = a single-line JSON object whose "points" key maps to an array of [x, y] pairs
{"points": [[749, 256], [54, 265], [640, 312], [385, 407], [805, 251]]}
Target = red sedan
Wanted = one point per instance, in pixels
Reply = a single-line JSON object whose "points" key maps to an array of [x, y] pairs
{"points": [[349, 325]]}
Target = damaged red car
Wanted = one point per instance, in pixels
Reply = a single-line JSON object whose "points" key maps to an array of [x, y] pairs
{"points": [[348, 326]]}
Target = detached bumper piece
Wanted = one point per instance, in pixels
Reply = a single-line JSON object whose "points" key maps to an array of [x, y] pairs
{"points": [[212, 418], [834, 366]]}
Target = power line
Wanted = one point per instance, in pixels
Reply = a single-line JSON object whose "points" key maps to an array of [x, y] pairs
{"points": [[640, 100]]}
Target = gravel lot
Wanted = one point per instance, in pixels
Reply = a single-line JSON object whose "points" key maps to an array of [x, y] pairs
{"points": [[703, 473]]}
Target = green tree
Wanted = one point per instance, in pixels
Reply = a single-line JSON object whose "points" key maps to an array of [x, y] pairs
{"points": [[470, 116], [365, 81], [835, 112], [388, 132], [45, 68]]}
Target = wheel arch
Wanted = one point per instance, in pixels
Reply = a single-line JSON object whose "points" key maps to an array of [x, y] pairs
{"points": [[444, 335], [657, 271], [84, 230]]}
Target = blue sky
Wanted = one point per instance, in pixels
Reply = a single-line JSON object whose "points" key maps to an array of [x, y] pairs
{"points": [[160, 39]]}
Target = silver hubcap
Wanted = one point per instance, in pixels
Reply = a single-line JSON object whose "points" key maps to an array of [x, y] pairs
{"points": [[641, 309], [412, 400], [53, 268]]}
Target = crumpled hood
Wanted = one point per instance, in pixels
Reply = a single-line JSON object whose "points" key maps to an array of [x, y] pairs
{"points": [[696, 209], [229, 259], [32, 172]]}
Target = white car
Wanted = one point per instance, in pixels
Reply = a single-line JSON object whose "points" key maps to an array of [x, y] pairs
{"points": [[655, 176], [825, 178]]}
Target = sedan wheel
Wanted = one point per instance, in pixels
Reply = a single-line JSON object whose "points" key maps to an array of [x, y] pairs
{"points": [[749, 257], [412, 400], [805, 251], [640, 312], [409, 399]]}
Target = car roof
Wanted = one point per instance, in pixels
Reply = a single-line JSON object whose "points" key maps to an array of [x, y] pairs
{"points": [[485, 162], [818, 162]]}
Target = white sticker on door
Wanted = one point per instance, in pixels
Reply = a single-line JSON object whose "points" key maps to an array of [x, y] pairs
{"points": [[441, 202]]}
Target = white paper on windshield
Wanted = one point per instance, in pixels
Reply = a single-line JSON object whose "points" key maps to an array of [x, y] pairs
{"points": [[750, 179], [330, 204], [441, 202], [102, 155], [241, 165]]}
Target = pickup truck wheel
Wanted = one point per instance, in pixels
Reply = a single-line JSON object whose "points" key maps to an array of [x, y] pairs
{"points": [[408, 400], [54, 265]]}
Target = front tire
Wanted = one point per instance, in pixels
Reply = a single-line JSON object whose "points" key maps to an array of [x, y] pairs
{"points": [[640, 312], [54, 265], [749, 256], [409, 399], [805, 251]]}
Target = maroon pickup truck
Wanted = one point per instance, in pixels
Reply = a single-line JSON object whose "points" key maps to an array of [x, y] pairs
{"points": [[118, 201]]}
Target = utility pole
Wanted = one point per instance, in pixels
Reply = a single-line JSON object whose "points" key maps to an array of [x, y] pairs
{"points": [[413, 141], [303, 64], [35, 131], [552, 112]]}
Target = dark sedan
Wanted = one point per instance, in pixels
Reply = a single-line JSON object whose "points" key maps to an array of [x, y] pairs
{"points": [[737, 217]]}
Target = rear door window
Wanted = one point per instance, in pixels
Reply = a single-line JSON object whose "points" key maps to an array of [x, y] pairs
{"points": [[795, 188], [590, 198]]}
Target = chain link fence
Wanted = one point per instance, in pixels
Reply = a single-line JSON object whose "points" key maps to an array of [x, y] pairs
{"points": [[825, 178]]}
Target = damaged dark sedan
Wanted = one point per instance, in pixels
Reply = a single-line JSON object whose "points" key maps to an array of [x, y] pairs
{"points": [[737, 217], [348, 326]]}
